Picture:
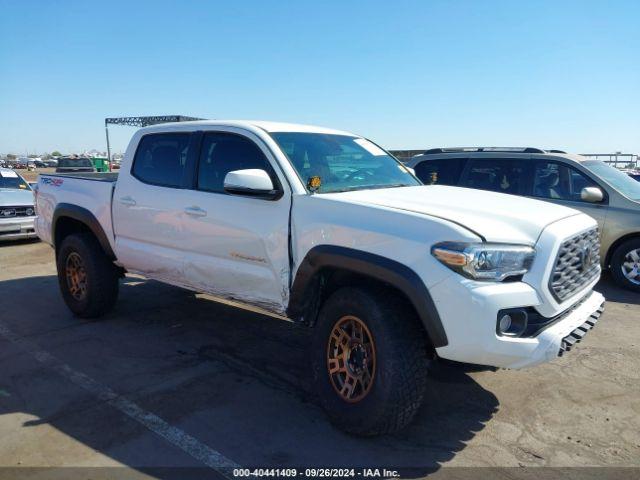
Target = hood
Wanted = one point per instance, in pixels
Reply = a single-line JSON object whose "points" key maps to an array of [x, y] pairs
{"points": [[497, 217], [15, 197]]}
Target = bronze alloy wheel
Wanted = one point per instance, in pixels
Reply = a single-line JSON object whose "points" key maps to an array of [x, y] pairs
{"points": [[76, 276], [351, 359]]}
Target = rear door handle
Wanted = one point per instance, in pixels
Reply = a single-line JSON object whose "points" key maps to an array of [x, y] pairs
{"points": [[128, 201], [195, 211]]}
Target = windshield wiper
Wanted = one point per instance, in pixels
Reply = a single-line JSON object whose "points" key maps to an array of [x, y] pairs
{"points": [[369, 187], [395, 185], [392, 185]]}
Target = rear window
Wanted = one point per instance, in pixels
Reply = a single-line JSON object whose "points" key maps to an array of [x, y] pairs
{"points": [[75, 162], [445, 171], [161, 159]]}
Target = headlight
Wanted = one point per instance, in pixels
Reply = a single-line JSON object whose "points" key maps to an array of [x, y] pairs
{"points": [[485, 261]]}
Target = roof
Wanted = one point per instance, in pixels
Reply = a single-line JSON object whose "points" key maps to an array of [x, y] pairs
{"points": [[251, 124], [471, 152]]}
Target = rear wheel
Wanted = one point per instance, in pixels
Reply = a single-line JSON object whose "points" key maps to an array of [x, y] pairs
{"points": [[369, 361], [88, 279], [625, 264]]}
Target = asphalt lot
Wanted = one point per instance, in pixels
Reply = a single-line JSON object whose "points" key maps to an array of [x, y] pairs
{"points": [[225, 381]]}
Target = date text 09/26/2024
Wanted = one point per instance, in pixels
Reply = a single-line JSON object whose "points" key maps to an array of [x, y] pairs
{"points": [[316, 472]]}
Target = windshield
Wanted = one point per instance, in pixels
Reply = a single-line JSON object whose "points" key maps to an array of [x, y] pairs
{"points": [[10, 179], [75, 162], [622, 182], [341, 162]]}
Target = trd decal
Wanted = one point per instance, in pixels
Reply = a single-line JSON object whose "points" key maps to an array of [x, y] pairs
{"points": [[54, 182]]}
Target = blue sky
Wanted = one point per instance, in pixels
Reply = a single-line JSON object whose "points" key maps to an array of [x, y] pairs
{"points": [[563, 74]]}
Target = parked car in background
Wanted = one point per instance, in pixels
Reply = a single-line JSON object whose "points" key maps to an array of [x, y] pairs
{"points": [[51, 162], [591, 186], [17, 207], [24, 163], [75, 164], [326, 229]]}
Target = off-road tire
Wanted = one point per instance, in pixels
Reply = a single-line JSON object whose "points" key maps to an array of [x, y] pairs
{"points": [[617, 260], [101, 285], [401, 362]]}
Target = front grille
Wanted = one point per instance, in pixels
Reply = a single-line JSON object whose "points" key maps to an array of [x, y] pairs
{"points": [[577, 264], [576, 336], [21, 211]]}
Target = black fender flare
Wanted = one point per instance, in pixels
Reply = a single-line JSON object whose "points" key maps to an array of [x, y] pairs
{"points": [[84, 216], [370, 265]]}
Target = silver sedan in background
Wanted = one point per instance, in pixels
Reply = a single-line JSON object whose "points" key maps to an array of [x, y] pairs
{"points": [[17, 207]]}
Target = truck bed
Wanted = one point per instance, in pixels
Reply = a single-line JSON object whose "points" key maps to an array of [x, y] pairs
{"points": [[95, 176], [88, 192]]}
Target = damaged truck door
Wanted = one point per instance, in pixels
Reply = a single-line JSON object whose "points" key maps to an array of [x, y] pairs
{"points": [[224, 254]]}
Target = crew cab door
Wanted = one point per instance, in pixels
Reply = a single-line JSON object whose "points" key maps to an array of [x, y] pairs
{"points": [[236, 246], [148, 206]]}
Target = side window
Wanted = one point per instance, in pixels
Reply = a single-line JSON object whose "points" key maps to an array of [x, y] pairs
{"points": [[445, 171], [502, 175], [560, 182], [161, 159], [222, 153]]}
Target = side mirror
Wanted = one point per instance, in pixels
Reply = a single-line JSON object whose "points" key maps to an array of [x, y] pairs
{"points": [[251, 182], [592, 194]]}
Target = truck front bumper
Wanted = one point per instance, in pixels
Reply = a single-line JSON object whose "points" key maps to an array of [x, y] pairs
{"points": [[470, 314], [17, 228]]}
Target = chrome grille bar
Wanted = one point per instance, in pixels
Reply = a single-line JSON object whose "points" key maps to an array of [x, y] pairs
{"points": [[577, 264], [18, 211]]}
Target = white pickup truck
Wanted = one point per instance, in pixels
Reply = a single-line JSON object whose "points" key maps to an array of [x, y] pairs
{"points": [[325, 228]]}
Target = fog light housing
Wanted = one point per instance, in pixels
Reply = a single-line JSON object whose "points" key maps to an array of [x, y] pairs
{"points": [[512, 322], [504, 324]]}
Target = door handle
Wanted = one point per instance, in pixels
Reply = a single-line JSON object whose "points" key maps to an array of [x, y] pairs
{"points": [[128, 201], [195, 211]]}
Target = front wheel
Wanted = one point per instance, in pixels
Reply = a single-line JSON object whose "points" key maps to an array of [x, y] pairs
{"points": [[369, 361], [88, 279], [625, 265]]}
